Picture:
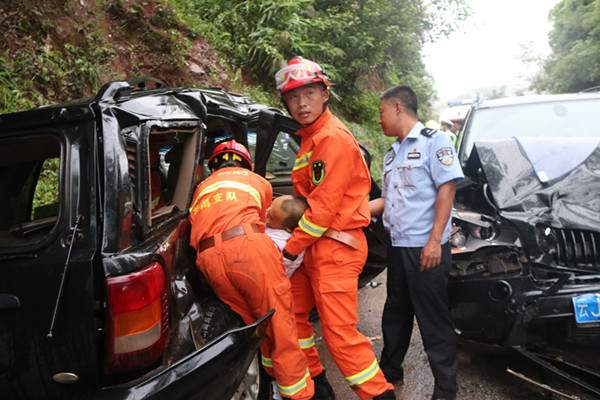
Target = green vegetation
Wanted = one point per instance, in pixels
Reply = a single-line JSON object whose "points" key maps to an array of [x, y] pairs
{"points": [[364, 46], [46, 189], [574, 64], [59, 50]]}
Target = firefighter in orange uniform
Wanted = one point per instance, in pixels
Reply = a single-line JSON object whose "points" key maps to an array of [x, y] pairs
{"points": [[243, 265], [332, 175]]}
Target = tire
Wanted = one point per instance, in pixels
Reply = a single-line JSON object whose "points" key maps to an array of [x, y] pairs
{"points": [[217, 319], [256, 384]]}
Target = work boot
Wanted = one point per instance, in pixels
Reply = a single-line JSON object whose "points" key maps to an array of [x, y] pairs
{"points": [[323, 390], [387, 395]]}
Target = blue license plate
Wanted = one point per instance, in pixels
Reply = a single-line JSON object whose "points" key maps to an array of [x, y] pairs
{"points": [[587, 308]]}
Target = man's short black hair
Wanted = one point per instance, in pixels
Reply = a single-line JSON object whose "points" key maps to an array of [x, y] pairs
{"points": [[226, 163], [405, 95]]}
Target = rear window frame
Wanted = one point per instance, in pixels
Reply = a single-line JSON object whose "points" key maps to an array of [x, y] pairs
{"points": [[49, 236]]}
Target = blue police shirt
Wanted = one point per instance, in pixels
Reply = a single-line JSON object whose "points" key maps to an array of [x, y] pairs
{"points": [[413, 169]]}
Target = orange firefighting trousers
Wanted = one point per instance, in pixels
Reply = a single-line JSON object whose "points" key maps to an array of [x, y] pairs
{"points": [[329, 279], [246, 273]]}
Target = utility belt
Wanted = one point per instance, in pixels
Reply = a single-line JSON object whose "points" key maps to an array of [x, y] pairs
{"points": [[228, 234], [343, 237]]}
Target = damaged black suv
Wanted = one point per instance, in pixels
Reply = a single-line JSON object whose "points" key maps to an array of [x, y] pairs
{"points": [[99, 294], [526, 229]]}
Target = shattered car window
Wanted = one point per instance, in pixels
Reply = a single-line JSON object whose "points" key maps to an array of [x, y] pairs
{"points": [[284, 154], [282, 157], [548, 120]]}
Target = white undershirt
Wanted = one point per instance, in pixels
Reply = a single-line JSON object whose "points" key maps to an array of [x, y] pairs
{"points": [[280, 237]]}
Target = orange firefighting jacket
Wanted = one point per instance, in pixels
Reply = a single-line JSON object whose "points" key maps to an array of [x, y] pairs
{"points": [[331, 173], [227, 198]]}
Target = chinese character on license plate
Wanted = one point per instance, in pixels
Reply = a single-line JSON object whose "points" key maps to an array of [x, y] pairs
{"points": [[587, 308]]}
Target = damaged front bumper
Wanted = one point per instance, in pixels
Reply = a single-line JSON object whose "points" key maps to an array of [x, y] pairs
{"points": [[519, 310]]}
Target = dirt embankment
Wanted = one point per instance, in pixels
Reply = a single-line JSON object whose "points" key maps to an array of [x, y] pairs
{"points": [[57, 50]]}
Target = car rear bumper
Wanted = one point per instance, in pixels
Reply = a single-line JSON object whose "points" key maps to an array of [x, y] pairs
{"points": [[212, 372]]}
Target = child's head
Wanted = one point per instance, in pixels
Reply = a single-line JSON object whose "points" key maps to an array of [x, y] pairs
{"points": [[285, 212]]}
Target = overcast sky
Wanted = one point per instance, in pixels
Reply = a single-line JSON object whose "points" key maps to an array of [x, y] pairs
{"points": [[486, 51]]}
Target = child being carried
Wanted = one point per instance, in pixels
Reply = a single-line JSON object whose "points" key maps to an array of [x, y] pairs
{"points": [[282, 219]]}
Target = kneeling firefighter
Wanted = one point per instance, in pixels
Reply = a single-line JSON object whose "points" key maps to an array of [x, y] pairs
{"points": [[243, 265], [332, 175]]}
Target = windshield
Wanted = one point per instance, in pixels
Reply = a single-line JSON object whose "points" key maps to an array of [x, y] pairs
{"points": [[573, 118]]}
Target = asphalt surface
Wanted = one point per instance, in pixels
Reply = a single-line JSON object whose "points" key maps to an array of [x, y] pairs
{"points": [[482, 372]]}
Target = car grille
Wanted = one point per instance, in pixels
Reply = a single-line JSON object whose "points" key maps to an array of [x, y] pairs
{"points": [[577, 249]]}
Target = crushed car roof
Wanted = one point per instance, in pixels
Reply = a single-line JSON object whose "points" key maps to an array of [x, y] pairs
{"points": [[156, 104]]}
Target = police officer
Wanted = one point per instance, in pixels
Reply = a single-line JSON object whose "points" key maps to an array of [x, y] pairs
{"points": [[420, 175]]}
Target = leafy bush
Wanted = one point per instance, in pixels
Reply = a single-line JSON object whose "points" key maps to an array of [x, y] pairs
{"points": [[46, 190], [574, 64]]}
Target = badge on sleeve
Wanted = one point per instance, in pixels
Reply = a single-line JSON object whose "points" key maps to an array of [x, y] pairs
{"points": [[317, 171], [445, 155], [389, 157]]}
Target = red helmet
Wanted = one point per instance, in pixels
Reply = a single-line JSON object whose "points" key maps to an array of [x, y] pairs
{"points": [[299, 72], [230, 150]]}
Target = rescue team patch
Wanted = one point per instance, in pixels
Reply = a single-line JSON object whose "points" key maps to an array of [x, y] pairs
{"points": [[445, 155], [318, 171]]}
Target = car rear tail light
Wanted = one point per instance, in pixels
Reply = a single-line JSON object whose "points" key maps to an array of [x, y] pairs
{"points": [[137, 319]]}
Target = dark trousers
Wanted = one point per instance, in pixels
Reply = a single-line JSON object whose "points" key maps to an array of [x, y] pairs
{"points": [[424, 295]]}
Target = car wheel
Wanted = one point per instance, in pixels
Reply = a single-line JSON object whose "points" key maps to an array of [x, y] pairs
{"points": [[218, 317], [253, 382]]}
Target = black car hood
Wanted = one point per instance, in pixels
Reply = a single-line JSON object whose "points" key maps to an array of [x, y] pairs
{"points": [[570, 200]]}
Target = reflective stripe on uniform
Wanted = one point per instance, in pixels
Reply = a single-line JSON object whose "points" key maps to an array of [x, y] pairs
{"points": [[307, 343], [302, 161], [364, 375], [311, 228], [228, 185], [291, 390], [266, 361]]}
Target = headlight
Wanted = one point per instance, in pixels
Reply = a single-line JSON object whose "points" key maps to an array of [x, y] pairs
{"points": [[482, 233], [457, 237]]}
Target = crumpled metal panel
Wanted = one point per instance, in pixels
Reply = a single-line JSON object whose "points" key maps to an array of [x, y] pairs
{"points": [[569, 202], [161, 106]]}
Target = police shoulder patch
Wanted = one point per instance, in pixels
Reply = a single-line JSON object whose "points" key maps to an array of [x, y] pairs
{"points": [[317, 171], [428, 132], [445, 155], [389, 157]]}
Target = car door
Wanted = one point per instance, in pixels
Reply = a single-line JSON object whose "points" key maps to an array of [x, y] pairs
{"points": [[273, 141], [47, 241]]}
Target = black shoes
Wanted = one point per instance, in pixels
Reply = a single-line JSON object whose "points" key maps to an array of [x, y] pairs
{"points": [[323, 390], [397, 380], [387, 395]]}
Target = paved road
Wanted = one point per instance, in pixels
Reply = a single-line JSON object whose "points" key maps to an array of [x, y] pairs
{"points": [[482, 374]]}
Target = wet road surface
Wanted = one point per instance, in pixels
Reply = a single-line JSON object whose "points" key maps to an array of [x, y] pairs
{"points": [[481, 371]]}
